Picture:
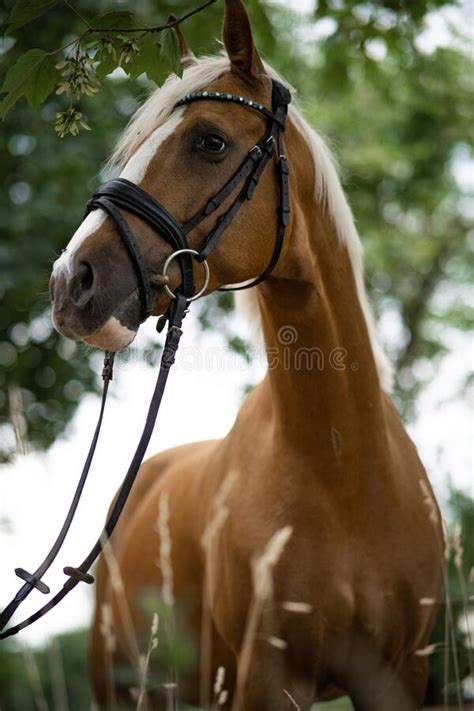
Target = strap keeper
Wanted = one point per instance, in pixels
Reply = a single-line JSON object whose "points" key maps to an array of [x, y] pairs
{"points": [[283, 161], [252, 184], [78, 574], [211, 206], [285, 217], [269, 143], [32, 580]]}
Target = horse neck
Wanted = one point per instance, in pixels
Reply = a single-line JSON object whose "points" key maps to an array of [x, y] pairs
{"points": [[323, 382]]}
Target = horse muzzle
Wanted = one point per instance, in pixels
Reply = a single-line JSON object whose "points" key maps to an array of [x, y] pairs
{"points": [[104, 314]]}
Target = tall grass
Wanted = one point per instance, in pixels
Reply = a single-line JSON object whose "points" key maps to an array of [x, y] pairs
{"points": [[34, 679], [163, 627], [219, 515]]}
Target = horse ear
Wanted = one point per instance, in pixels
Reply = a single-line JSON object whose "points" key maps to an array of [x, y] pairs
{"points": [[187, 57], [238, 41]]}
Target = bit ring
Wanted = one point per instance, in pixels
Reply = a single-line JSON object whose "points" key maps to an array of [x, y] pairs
{"points": [[207, 273]]}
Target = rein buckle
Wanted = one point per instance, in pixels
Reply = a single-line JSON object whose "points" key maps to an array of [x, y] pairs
{"points": [[255, 153]]}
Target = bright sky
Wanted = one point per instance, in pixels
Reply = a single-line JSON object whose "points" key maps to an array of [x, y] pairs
{"points": [[35, 491]]}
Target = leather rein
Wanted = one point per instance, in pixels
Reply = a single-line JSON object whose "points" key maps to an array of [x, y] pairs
{"points": [[120, 194]]}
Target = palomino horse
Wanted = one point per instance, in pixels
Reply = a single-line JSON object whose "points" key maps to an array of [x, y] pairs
{"points": [[317, 463]]}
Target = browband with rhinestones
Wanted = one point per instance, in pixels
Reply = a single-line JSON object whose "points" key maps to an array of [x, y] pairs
{"points": [[222, 96]]}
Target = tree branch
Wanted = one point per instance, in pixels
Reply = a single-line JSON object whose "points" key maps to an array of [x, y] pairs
{"points": [[158, 28], [415, 310], [76, 12], [144, 30]]}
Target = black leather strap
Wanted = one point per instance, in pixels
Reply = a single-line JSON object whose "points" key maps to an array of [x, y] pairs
{"points": [[281, 97], [33, 580], [134, 252], [121, 193], [245, 194], [283, 219], [80, 573], [216, 201]]}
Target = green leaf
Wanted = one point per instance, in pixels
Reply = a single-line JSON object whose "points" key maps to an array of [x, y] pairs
{"points": [[120, 19], [106, 66], [34, 76], [25, 11], [170, 51], [42, 83], [148, 61]]}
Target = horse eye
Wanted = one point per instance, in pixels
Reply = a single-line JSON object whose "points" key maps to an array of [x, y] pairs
{"points": [[213, 143]]}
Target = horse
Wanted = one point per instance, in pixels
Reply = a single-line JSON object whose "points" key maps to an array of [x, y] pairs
{"points": [[295, 552]]}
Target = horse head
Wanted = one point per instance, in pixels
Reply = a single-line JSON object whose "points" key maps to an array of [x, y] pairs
{"points": [[180, 154]]}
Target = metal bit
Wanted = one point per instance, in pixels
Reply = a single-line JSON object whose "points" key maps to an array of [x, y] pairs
{"points": [[159, 280]]}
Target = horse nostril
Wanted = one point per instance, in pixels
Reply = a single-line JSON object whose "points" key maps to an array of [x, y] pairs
{"points": [[85, 276], [82, 285]]}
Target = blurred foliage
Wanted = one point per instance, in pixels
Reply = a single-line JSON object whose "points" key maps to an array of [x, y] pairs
{"points": [[402, 134], [396, 116], [61, 666]]}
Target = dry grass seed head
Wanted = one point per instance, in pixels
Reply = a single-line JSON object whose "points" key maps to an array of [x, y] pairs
{"points": [[222, 699], [457, 546], [426, 651], [164, 563], [107, 627], [277, 642], [115, 576], [262, 567], [219, 681], [427, 601], [219, 510], [300, 608]]}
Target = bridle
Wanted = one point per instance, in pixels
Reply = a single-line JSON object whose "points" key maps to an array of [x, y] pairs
{"points": [[120, 194]]}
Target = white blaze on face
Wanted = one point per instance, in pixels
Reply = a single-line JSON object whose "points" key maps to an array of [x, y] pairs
{"points": [[134, 171], [138, 164], [91, 223]]}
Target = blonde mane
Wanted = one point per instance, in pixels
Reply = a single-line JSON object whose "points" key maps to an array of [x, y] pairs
{"points": [[159, 107]]}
